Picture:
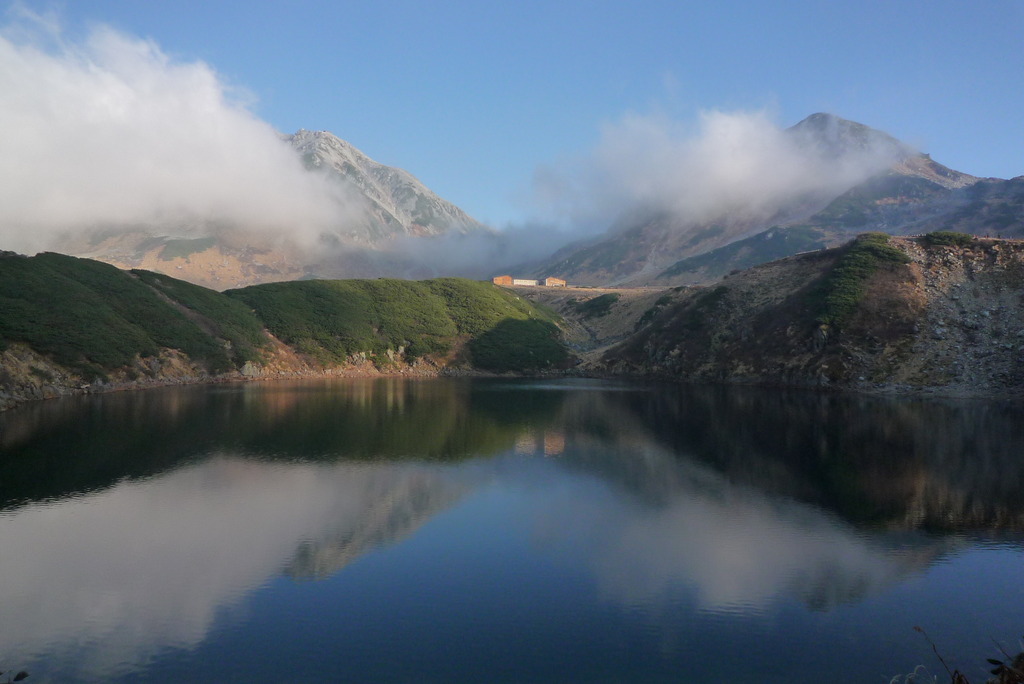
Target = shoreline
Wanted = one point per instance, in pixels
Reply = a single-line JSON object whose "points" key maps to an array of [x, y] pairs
{"points": [[55, 382], [12, 397]]}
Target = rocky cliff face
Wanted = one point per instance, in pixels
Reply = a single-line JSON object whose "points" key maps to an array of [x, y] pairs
{"points": [[949, 320]]}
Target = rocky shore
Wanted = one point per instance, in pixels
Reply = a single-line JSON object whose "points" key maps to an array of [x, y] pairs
{"points": [[28, 376]]}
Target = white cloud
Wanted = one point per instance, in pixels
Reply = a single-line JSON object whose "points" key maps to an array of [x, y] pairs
{"points": [[111, 131], [739, 165], [730, 547], [149, 565]]}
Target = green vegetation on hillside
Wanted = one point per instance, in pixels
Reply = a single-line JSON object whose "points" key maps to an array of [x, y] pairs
{"points": [[519, 345], [94, 318], [184, 247], [695, 315], [333, 320], [222, 316], [652, 313], [947, 238], [91, 317], [596, 307], [843, 287], [478, 306]]}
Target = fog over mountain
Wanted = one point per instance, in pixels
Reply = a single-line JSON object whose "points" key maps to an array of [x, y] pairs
{"points": [[739, 169], [111, 132], [123, 153], [121, 149], [739, 164], [670, 198]]}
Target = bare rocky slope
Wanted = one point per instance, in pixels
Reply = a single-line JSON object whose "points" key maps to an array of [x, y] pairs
{"points": [[395, 201], [938, 318], [898, 203]]}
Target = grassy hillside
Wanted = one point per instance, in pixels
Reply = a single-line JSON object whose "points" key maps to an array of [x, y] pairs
{"points": [[218, 315], [92, 317], [334, 320]]}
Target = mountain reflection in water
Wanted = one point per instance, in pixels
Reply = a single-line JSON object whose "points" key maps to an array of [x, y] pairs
{"points": [[134, 524]]}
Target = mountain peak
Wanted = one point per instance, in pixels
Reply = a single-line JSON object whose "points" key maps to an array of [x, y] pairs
{"points": [[823, 119], [397, 202], [835, 136]]}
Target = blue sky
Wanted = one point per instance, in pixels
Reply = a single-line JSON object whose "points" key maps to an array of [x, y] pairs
{"points": [[473, 97]]}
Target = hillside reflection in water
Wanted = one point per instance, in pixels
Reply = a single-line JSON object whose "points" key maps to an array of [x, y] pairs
{"points": [[457, 530]]}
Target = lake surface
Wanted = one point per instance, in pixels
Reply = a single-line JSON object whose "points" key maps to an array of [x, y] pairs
{"points": [[507, 531]]}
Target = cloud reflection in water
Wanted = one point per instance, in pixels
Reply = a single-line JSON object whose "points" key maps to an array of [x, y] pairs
{"points": [[731, 546], [148, 565]]}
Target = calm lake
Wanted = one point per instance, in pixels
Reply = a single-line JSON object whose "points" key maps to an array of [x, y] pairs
{"points": [[456, 530]]}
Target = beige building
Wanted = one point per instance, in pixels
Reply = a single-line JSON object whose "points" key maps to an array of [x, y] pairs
{"points": [[508, 281]]}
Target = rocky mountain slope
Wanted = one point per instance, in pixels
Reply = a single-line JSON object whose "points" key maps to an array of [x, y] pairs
{"points": [[377, 204], [892, 188], [396, 202], [930, 199], [596, 318], [940, 313]]}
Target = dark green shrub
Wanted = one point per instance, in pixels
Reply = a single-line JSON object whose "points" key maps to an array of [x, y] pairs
{"points": [[332, 320], [185, 247], [650, 314], [596, 307], [224, 317], [693, 317], [843, 288], [92, 317], [947, 238], [519, 346]]}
